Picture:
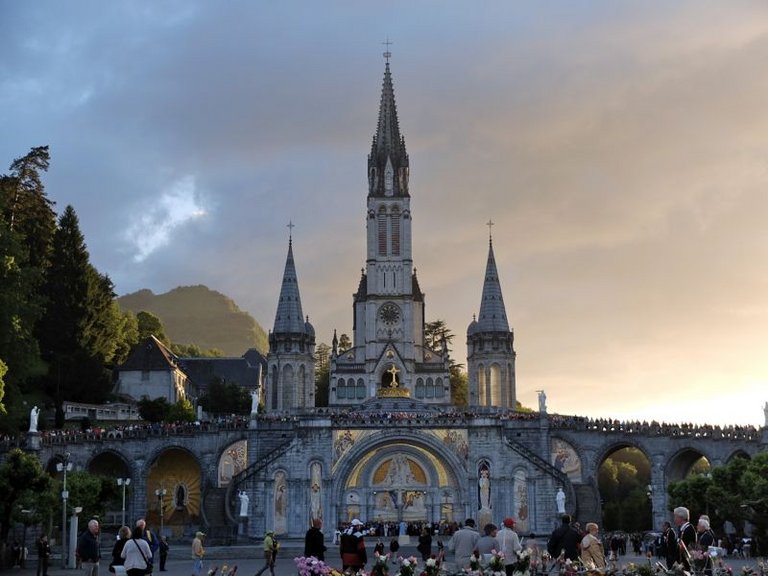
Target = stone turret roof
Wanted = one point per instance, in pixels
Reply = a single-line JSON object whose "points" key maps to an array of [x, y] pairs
{"points": [[388, 147], [289, 317], [493, 314]]}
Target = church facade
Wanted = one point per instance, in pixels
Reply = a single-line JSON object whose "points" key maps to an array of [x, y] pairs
{"points": [[391, 446]]}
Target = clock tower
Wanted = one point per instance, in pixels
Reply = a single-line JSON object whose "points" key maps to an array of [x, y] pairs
{"points": [[389, 355]]}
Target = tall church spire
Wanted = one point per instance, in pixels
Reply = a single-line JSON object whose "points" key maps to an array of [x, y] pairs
{"points": [[388, 160], [493, 315], [289, 317]]}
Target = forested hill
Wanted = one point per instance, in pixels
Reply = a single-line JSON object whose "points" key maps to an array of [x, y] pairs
{"points": [[198, 315]]}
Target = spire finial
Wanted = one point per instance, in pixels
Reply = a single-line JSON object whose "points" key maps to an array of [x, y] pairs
{"points": [[490, 225], [387, 54], [290, 227]]}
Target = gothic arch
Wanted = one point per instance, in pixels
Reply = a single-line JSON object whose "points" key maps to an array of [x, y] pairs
{"points": [[358, 459], [179, 472], [738, 453], [612, 446], [679, 465], [231, 459]]}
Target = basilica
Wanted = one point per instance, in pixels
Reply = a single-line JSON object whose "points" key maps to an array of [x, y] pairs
{"points": [[391, 446]]}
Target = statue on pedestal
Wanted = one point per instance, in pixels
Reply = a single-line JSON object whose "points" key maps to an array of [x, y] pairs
{"points": [[33, 416], [255, 401], [244, 501], [560, 500], [542, 402]]}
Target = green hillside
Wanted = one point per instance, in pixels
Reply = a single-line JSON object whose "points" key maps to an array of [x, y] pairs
{"points": [[198, 315]]}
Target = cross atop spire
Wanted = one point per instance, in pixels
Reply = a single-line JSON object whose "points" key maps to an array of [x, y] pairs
{"points": [[490, 225], [290, 227], [387, 54]]}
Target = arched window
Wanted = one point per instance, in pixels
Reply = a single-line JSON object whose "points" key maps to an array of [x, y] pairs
{"points": [[381, 223], [360, 389], [419, 388], [481, 385], [274, 387], [439, 390], [429, 391], [395, 222], [495, 399], [341, 389]]}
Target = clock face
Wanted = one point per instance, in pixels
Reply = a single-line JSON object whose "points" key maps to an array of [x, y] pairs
{"points": [[389, 313]]}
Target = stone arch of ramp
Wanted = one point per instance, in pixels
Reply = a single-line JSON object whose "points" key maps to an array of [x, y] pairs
{"points": [[112, 463], [738, 453], [177, 473], [680, 463], [436, 487], [231, 459], [613, 445]]}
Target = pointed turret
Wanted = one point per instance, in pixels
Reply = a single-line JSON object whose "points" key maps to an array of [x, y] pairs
{"points": [[289, 318], [493, 315], [388, 160], [490, 346], [290, 361]]}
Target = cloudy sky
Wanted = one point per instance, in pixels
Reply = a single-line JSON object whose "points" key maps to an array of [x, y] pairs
{"points": [[620, 147]]}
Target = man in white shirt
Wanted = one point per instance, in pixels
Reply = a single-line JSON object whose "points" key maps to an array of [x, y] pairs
{"points": [[509, 544]]}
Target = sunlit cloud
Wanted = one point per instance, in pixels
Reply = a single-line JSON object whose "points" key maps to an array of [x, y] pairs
{"points": [[155, 226]]}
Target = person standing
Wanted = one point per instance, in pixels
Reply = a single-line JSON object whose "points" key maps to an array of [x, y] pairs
{"points": [[669, 547], [564, 541], [43, 555], [152, 540], [686, 535], [463, 544], [487, 543], [137, 554], [592, 552], [314, 541], [509, 544], [425, 543], [88, 549], [352, 547], [123, 535], [271, 546], [163, 541], [197, 554]]}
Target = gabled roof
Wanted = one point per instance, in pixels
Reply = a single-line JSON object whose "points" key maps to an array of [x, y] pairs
{"points": [[150, 355]]}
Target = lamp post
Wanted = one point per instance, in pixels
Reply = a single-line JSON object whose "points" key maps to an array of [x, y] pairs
{"points": [[64, 466], [160, 493], [124, 482]]}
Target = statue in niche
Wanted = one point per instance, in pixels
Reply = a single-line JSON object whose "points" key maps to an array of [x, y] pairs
{"points": [[244, 501], [560, 501]]}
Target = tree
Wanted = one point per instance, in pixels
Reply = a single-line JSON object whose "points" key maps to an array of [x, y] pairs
{"points": [[27, 209], [76, 330], [154, 410], [3, 370], [194, 351], [622, 480], [182, 411], [344, 343], [22, 479], [151, 325], [226, 398], [322, 374], [435, 333]]}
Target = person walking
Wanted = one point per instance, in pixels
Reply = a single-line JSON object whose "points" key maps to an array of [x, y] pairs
{"points": [[271, 546], [152, 540], [137, 554], [425, 543], [592, 552], [43, 555], [352, 547], [314, 541], [197, 554], [463, 544], [509, 544], [88, 549], [564, 541], [686, 539]]}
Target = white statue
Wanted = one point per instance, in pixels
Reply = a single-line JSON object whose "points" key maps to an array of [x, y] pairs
{"points": [[560, 499], [542, 401], [484, 484], [765, 412], [255, 401], [33, 416], [244, 500]]}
